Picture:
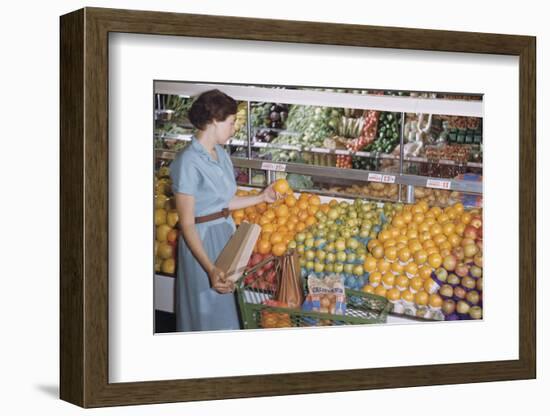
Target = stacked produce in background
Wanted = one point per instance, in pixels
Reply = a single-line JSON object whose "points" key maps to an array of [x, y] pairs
{"points": [[387, 133], [407, 257], [241, 128], [166, 219]]}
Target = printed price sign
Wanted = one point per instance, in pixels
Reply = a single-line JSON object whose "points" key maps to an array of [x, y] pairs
{"points": [[279, 167], [378, 177], [438, 184]]}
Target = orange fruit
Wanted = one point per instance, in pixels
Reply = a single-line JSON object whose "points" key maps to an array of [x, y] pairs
{"points": [[435, 260], [435, 300], [281, 220], [261, 208], [268, 228], [238, 213], [404, 254], [314, 200], [420, 256], [396, 268], [421, 298], [278, 249], [372, 243], [302, 216], [311, 220], [302, 204], [466, 218], [368, 289], [407, 296], [402, 281], [375, 278], [270, 214], [382, 266], [389, 243], [264, 247], [459, 208], [384, 235], [312, 209], [390, 253], [324, 208], [414, 245], [250, 210], [416, 283], [281, 211], [436, 229], [411, 268], [380, 291], [393, 294], [369, 264], [290, 201], [378, 252], [425, 272], [281, 186], [300, 226], [276, 238], [395, 232], [407, 217], [432, 250], [241, 192], [283, 229]]}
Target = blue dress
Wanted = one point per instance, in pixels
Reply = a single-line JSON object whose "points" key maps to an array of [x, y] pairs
{"points": [[195, 172]]}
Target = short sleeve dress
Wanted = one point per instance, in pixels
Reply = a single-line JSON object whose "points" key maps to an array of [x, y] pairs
{"points": [[195, 172]]}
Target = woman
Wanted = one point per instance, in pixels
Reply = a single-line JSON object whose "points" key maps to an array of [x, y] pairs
{"points": [[204, 187]]}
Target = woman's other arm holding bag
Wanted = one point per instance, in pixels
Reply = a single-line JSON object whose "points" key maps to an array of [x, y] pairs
{"points": [[185, 205]]}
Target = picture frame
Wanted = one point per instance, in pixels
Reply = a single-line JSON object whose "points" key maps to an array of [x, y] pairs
{"points": [[84, 170]]}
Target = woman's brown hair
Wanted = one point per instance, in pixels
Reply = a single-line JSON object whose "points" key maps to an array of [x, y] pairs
{"points": [[209, 106]]}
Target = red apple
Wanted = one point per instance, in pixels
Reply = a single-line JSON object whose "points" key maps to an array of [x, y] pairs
{"points": [[461, 269], [470, 232], [476, 221], [458, 252]]}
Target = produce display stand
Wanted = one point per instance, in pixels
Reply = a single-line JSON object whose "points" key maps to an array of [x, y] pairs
{"points": [[244, 148]]}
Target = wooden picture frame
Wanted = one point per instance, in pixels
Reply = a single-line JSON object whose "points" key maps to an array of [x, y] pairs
{"points": [[84, 207]]}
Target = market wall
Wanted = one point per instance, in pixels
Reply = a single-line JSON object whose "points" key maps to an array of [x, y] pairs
{"points": [[29, 220]]}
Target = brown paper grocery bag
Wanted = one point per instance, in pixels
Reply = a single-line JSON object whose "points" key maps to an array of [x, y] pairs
{"points": [[236, 253]]}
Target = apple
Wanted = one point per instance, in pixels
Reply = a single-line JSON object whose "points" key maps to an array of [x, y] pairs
{"points": [[352, 243], [470, 250], [320, 242], [329, 268], [165, 250], [162, 232], [475, 270], [331, 236], [300, 237], [476, 312], [338, 267], [319, 267], [462, 307], [459, 292], [461, 270], [310, 265], [467, 241], [468, 282], [458, 253], [453, 279], [331, 257], [473, 297], [341, 256], [478, 260], [172, 218], [310, 254], [441, 274], [448, 307], [351, 257], [308, 243], [168, 266], [301, 250], [446, 290], [320, 255], [449, 262], [330, 247], [476, 221], [340, 244], [348, 268], [470, 232], [358, 270], [479, 284]]}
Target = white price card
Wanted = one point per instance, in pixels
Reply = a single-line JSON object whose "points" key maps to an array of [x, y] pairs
{"points": [[378, 177], [438, 184], [279, 167]]}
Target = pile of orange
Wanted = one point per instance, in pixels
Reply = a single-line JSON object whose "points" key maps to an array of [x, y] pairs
{"points": [[281, 220], [405, 252]]}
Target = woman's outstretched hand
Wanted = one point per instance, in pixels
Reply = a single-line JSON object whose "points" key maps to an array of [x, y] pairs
{"points": [[269, 195], [219, 281]]}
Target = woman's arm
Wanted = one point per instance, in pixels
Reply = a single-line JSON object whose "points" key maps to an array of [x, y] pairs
{"points": [[239, 202], [185, 205]]}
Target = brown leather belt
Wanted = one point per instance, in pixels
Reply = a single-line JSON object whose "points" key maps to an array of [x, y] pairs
{"points": [[211, 217]]}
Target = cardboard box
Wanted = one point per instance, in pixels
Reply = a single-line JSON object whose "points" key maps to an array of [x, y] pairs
{"points": [[236, 253]]}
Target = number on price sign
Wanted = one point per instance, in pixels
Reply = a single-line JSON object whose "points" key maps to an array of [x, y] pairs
{"points": [[279, 167], [438, 184], [378, 177]]}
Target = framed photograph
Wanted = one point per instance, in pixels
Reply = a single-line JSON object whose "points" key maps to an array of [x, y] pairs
{"points": [[363, 200]]}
